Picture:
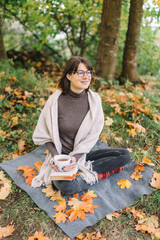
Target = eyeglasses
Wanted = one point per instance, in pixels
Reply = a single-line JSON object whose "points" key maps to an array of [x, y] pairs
{"points": [[81, 73]]}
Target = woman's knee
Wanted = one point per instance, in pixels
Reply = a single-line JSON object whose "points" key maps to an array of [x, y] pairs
{"points": [[126, 155], [71, 187], [66, 187]]}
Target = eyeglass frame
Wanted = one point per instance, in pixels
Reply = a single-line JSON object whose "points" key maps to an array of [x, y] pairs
{"points": [[84, 72]]}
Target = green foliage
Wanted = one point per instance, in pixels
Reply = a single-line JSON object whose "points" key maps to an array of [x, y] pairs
{"points": [[23, 78]]}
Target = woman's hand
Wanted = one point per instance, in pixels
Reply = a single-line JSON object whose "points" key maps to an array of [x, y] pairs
{"points": [[66, 168], [70, 166], [52, 165]]}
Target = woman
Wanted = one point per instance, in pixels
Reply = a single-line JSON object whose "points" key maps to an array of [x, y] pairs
{"points": [[71, 123]]}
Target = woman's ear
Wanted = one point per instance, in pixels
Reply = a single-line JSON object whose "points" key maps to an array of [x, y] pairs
{"points": [[68, 76]]}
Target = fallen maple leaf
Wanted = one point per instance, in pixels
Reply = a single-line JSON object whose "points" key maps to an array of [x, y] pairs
{"points": [[61, 206], [8, 89], [124, 183], [147, 220], [14, 121], [139, 167], [132, 132], [80, 236], [49, 191], [136, 176], [147, 161], [158, 149], [21, 144], [28, 172], [38, 236], [108, 121], [111, 215], [5, 186], [74, 214], [38, 165], [155, 181], [88, 196], [138, 214], [6, 231], [60, 217], [157, 233]]}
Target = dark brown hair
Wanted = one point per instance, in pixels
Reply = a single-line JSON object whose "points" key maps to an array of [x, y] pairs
{"points": [[71, 67]]}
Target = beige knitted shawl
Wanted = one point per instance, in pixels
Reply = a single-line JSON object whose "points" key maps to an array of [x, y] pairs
{"points": [[86, 137]]}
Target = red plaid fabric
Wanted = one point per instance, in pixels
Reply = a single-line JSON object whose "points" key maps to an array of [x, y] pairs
{"points": [[107, 174]]}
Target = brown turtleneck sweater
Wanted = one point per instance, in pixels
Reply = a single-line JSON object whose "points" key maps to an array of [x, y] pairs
{"points": [[72, 109]]}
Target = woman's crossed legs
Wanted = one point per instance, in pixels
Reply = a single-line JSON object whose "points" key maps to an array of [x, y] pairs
{"points": [[105, 160]]}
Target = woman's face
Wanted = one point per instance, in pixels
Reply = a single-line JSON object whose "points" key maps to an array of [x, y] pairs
{"points": [[80, 81]]}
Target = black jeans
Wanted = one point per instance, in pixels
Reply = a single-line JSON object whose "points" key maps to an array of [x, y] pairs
{"points": [[104, 160]]}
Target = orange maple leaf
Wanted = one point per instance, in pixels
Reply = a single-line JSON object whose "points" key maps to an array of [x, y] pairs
{"points": [[136, 176], [29, 179], [80, 236], [124, 183], [60, 216], [89, 208], [76, 203], [38, 165], [155, 181], [76, 195], [88, 196], [139, 167], [61, 206], [74, 214], [158, 149], [28, 172], [38, 236]]}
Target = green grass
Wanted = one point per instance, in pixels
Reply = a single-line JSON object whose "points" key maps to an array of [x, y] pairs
{"points": [[18, 208]]}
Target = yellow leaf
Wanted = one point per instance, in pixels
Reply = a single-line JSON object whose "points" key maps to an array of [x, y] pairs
{"points": [[158, 149], [6, 231], [21, 144], [111, 215], [147, 161], [132, 132], [157, 233], [108, 121], [103, 137], [14, 121], [49, 191], [38, 236], [5, 186], [136, 176], [124, 183], [2, 96], [8, 89], [60, 217], [155, 181]]}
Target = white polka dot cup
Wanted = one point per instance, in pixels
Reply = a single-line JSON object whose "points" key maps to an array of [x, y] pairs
{"points": [[61, 161]]}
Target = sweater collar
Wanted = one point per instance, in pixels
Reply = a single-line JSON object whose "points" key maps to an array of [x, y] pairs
{"points": [[76, 95]]}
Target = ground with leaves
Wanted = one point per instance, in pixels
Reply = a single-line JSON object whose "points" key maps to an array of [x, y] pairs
{"points": [[132, 121]]}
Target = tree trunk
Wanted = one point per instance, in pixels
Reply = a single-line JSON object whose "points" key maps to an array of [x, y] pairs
{"points": [[3, 55], [129, 70], [108, 45]]}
